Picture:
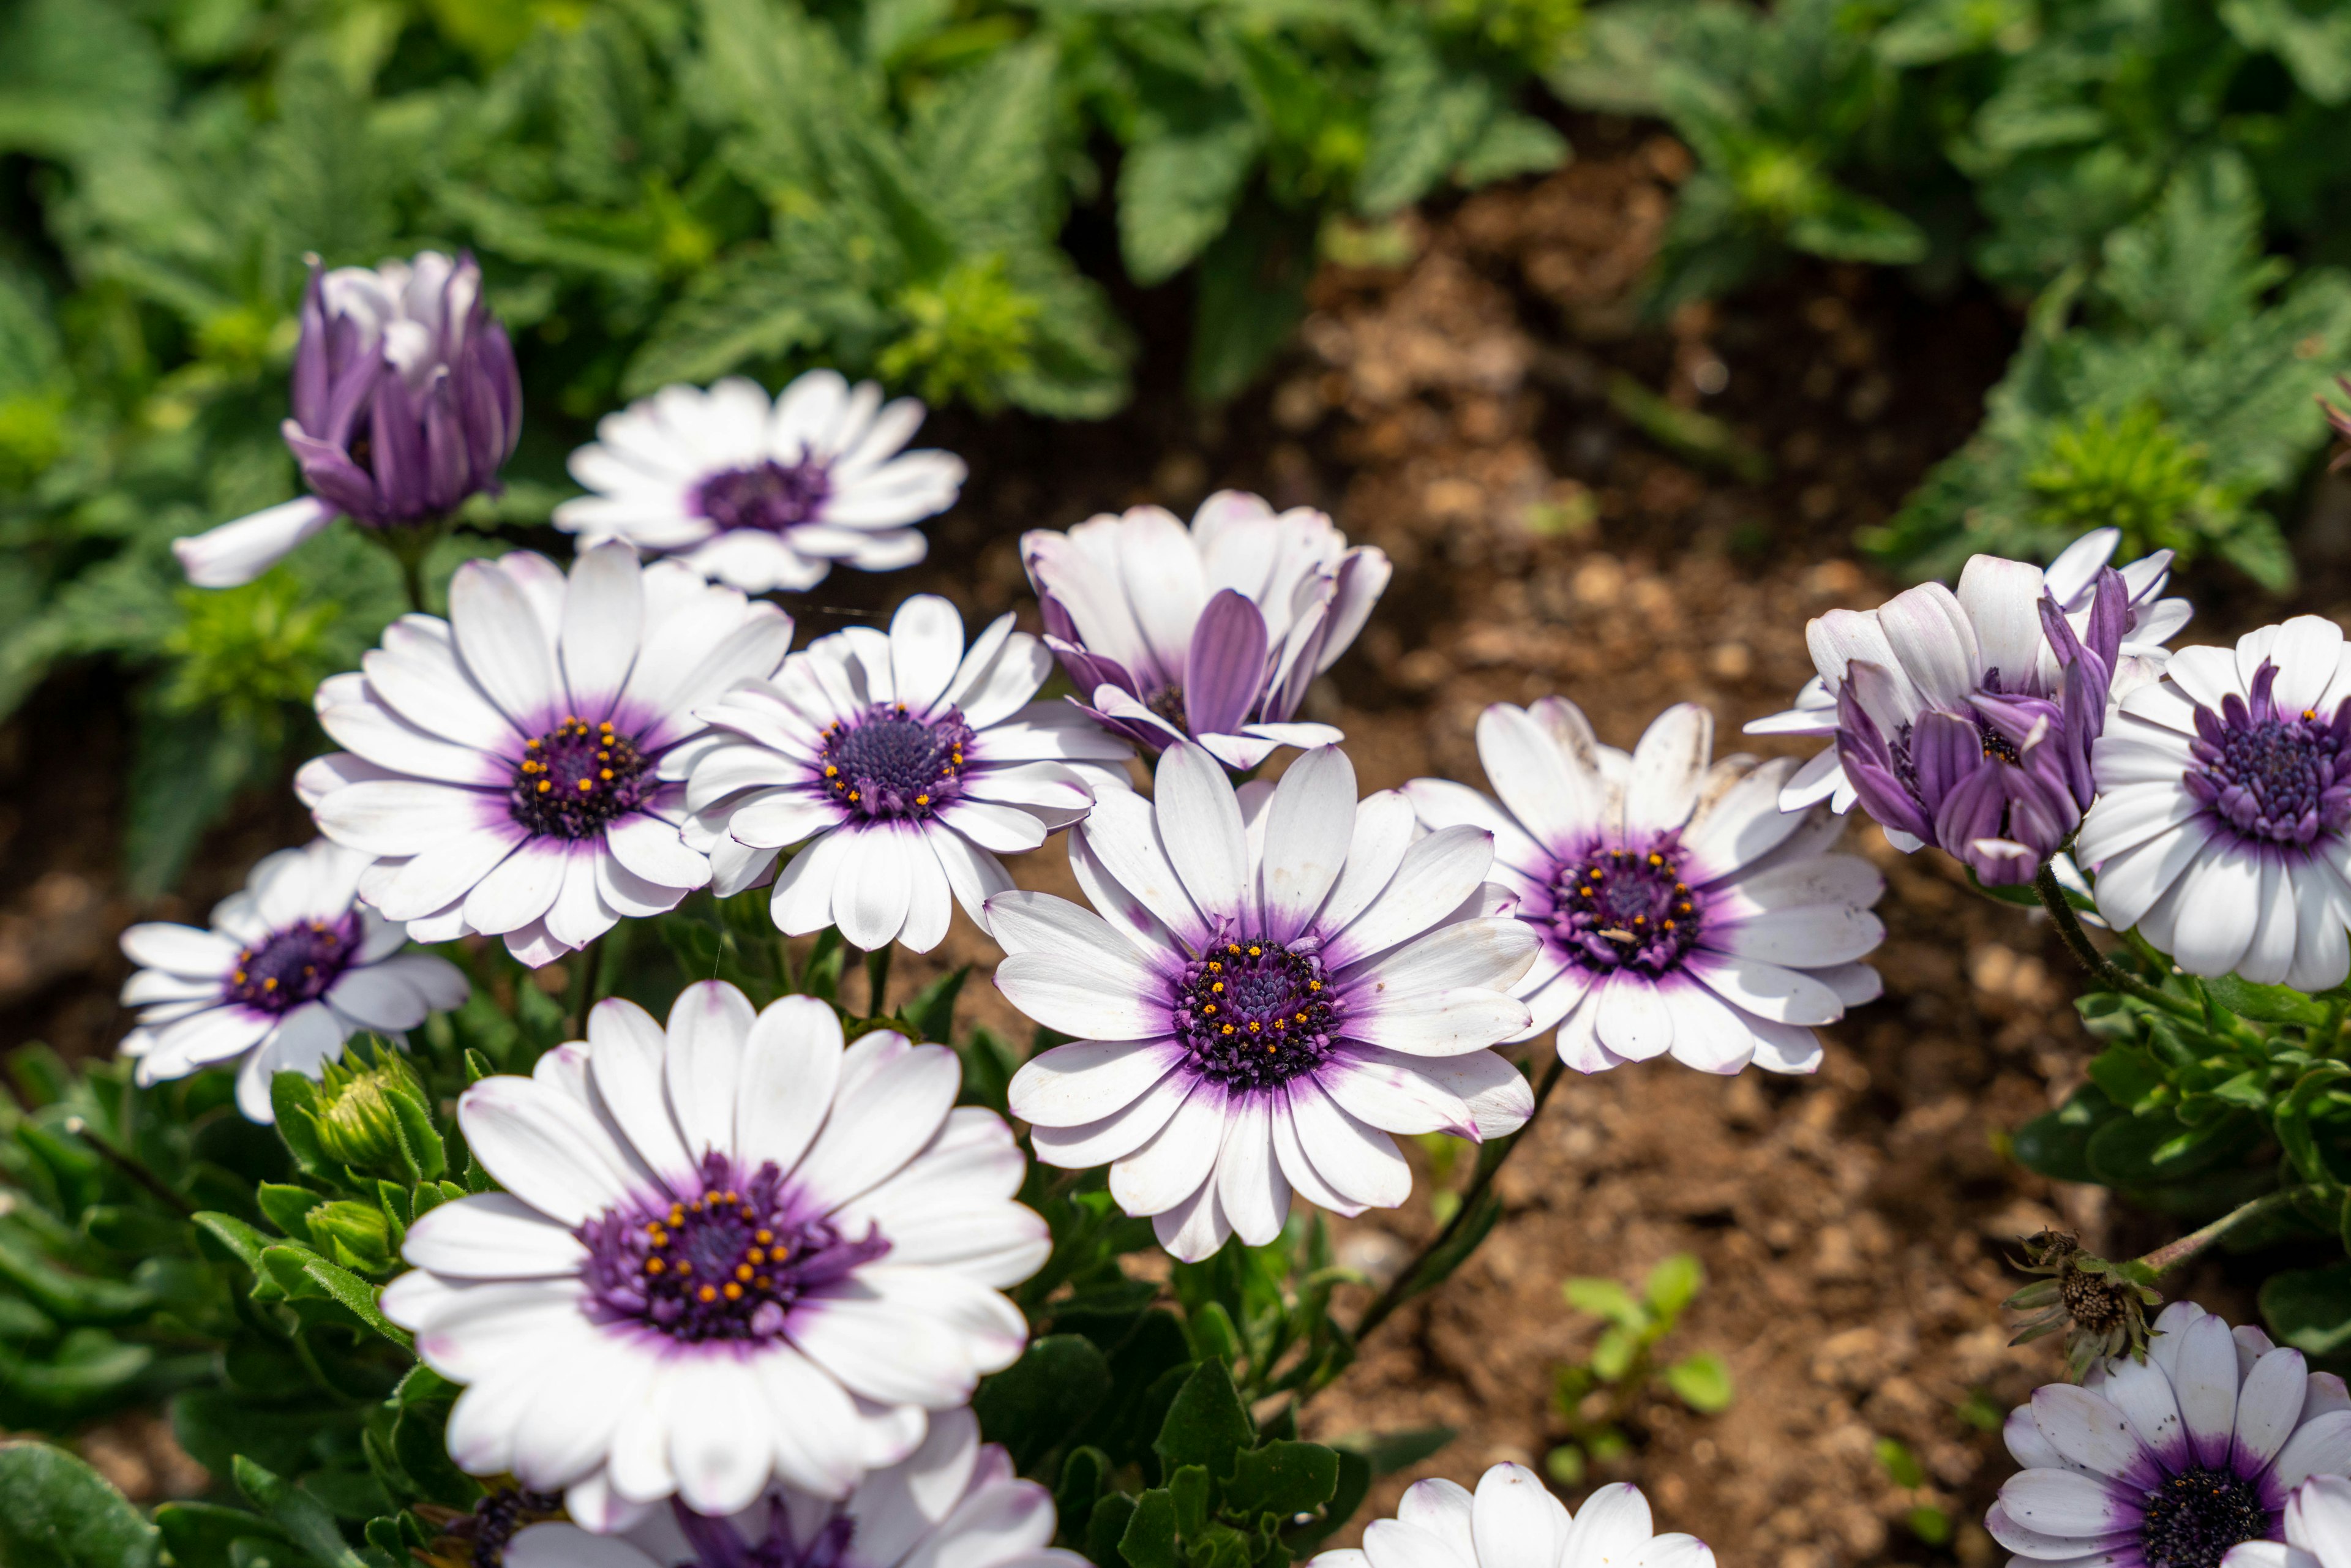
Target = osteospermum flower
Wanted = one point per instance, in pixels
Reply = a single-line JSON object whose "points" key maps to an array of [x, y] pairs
{"points": [[1679, 909], [292, 967], [763, 496], [1257, 1005], [2224, 830], [503, 766], [732, 1256], [902, 765], [2170, 1461], [406, 402], [1964, 720], [1211, 633], [2017, 650], [954, 1503], [1513, 1521], [2317, 1530]]}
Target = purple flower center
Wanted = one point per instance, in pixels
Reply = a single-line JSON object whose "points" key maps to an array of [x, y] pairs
{"points": [[888, 766], [775, 496], [1255, 1014], [294, 965], [717, 1544], [577, 779], [2274, 776], [728, 1264], [1616, 907], [2194, 1516]]}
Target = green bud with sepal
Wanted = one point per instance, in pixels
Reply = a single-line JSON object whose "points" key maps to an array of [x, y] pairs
{"points": [[369, 1114]]}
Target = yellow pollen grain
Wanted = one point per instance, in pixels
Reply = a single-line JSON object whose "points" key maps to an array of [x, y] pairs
{"points": [[763, 1236], [544, 786], [763, 1283], [655, 1266], [531, 745], [1229, 1029], [1218, 987], [756, 1254], [685, 1265], [734, 1291], [1254, 1026], [606, 775], [240, 976], [586, 785], [1313, 985], [270, 984], [922, 799], [1257, 952], [831, 771], [744, 1270], [707, 1294]]}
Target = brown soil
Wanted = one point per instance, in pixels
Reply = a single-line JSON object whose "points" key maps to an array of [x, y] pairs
{"points": [[1465, 412]]}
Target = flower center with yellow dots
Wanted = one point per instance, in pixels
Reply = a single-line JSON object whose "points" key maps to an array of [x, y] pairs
{"points": [[577, 779], [886, 765], [727, 1263], [294, 965], [1255, 1014], [1618, 907]]}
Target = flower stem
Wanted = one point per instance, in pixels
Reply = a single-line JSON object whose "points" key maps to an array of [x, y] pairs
{"points": [[1406, 1285], [583, 986], [2174, 1253], [2102, 970], [130, 1165], [877, 980]]}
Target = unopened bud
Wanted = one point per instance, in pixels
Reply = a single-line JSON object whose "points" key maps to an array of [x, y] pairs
{"points": [[370, 1109], [355, 1235]]}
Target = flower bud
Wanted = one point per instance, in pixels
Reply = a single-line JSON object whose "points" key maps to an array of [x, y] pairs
{"points": [[355, 1235], [371, 1113]]}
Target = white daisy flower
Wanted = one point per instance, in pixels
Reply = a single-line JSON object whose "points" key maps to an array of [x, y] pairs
{"points": [[292, 967], [732, 1256], [1275, 981], [1513, 1521], [1680, 911], [900, 764], [953, 1503], [505, 766], [2223, 826], [2171, 1461], [2317, 1530], [762, 495], [1211, 633]]}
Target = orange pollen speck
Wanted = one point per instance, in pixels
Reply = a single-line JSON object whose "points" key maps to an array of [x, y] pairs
{"points": [[654, 1266], [756, 1254], [544, 786], [734, 1291], [763, 1236], [744, 1270], [684, 1266], [708, 1293], [763, 1283]]}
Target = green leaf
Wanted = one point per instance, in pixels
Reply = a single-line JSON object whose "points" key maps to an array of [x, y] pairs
{"points": [[1605, 1299], [1206, 1425], [1084, 1476], [1701, 1382], [1189, 1486], [58, 1512], [1511, 145], [1150, 1538], [203, 1534], [1425, 119], [1106, 1528], [1388, 1452], [2057, 1144], [1612, 1353], [1673, 1284], [1283, 1478], [1177, 190], [1033, 1405], [285, 1207], [2314, 40], [2264, 1004], [297, 1512], [931, 1013]]}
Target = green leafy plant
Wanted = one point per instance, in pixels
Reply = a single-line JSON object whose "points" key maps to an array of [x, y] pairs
{"points": [[1927, 1521], [1593, 1397]]}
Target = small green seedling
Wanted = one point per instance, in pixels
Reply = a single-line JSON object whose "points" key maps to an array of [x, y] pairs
{"points": [[1929, 1523], [1624, 1361]]}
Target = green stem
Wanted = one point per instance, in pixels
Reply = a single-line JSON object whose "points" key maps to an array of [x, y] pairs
{"points": [[130, 1165], [1400, 1289], [2173, 1254], [877, 980], [584, 988], [2102, 970]]}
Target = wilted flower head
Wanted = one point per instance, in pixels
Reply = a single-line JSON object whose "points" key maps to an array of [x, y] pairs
{"points": [[406, 402], [1211, 633], [1965, 719], [2101, 1306]]}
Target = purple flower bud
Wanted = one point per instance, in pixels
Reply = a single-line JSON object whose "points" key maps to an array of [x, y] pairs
{"points": [[406, 403]]}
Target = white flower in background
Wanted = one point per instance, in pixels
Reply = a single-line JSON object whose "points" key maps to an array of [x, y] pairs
{"points": [[902, 765], [953, 1503], [292, 967], [503, 766], [2170, 1462], [729, 1257], [1513, 1521], [1211, 633], [2317, 1530], [762, 495], [2223, 829], [1680, 909], [2001, 604], [1275, 982]]}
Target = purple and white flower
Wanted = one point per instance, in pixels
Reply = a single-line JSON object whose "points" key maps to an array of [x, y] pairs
{"points": [[2223, 829], [1270, 983], [902, 765], [406, 402], [292, 967], [2072, 580], [1211, 633], [2317, 1530], [728, 1257], [1964, 720], [1513, 1520], [2171, 1461], [954, 1503], [762, 494], [1679, 909], [505, 766]]}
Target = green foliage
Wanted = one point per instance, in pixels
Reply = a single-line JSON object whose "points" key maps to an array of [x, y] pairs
{"points": [[2134, 167], [1593, 1397], [58, 1512]]}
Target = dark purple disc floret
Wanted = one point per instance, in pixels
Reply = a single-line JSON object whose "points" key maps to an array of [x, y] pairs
{"points": [[1615, 908], [886, 765], [295, 965], [728, 1263], [2273, 778], [774, 497], [1254, 1013], [718, 1543]]}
